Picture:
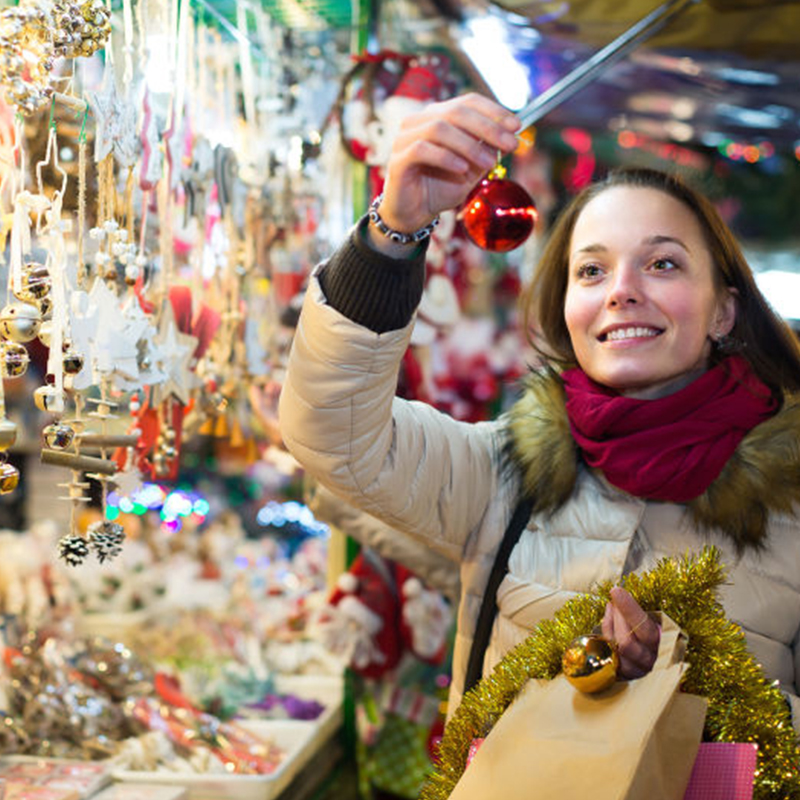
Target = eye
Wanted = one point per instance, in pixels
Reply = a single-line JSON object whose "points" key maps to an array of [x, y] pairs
{"points": [[664, 265], [589, 271]]}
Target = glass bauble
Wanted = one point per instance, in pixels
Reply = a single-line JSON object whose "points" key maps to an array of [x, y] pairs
{"points": [[499, 214], [590, 663]]}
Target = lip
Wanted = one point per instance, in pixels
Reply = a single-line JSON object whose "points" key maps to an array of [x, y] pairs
{"points": [[603, 335]]}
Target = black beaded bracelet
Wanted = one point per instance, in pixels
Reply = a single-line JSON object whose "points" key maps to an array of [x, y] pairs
{"points": [[398, 236]]}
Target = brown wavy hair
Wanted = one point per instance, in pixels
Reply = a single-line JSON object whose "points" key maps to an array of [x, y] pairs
{"points": [[759, 334]]}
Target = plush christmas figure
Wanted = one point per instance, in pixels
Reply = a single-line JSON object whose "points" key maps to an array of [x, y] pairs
{"points": [[360, 622], [425, 618], [378, 611]]}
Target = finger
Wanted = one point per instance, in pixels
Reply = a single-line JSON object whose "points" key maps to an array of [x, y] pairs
{"points": [[636, 619], [454, 148], [478, 104], [607, 623], [460, 125]]}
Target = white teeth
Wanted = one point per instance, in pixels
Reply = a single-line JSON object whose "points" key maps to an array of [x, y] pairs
{"points": [[630, 333]]}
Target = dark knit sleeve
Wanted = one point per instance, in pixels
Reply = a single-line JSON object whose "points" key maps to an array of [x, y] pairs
{"points": [[374, 290]]}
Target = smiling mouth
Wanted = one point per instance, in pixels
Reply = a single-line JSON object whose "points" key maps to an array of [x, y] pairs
{"points": [[623, 334]]}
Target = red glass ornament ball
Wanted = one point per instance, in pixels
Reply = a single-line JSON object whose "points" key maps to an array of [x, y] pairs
{"points": [[498, 215]]}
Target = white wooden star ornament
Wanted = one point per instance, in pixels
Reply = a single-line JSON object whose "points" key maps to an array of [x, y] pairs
{"points": [[176, 354]]}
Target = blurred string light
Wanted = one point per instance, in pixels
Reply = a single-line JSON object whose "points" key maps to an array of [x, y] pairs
{"points": [[290, 513], [173, 507]]}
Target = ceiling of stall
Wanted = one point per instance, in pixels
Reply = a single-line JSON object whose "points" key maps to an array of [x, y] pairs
{"points": [[720, 69]]}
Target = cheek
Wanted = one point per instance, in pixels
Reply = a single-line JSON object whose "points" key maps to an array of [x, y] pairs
{"points": [[577, 314]]}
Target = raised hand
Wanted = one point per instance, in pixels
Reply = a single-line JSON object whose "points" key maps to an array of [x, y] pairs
{"points": [[440, 154]]}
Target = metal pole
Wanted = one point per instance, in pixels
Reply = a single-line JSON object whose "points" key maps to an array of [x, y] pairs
{"points": [[613, 52]]}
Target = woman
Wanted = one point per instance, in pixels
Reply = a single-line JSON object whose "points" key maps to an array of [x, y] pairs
{"points": [[649, 437]]}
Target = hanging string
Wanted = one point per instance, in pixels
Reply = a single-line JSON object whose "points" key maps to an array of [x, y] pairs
{"points": [[81, 277]]}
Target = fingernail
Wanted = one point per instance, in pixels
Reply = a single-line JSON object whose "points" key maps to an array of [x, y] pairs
{"points": [[486, 159], [509, 141]]}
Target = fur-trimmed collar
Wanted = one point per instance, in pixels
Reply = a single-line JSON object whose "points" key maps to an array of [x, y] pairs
{"points": [[762, 476]]}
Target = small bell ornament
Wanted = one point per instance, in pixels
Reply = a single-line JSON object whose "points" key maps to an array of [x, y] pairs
{"points": [[499, 214], [73, 549], [8, 433], [20, 322], [58, 435], [73, 362], [9, 478], [46, 332], [48, 398], [105, 539], [35, 283], [590, 663], [14, 359]]}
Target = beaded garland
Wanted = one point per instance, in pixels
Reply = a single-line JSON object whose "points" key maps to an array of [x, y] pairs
{"points": [[743, 706]]}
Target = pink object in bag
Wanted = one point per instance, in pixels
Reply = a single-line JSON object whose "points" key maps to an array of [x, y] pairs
{"points": [[723, 771]]}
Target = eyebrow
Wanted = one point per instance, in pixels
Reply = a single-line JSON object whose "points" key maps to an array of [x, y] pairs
{"points": [[649, 240]]}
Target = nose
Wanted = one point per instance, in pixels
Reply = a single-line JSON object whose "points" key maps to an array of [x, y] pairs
{"points": [[624, 288]]}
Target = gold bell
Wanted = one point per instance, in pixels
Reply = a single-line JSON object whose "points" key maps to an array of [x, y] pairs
{"points": [[58, 435], [590, 663], [14, 359], [73, 362], [9, 478], [46, 398], [8, 433], [20, 322], [35, 282]]}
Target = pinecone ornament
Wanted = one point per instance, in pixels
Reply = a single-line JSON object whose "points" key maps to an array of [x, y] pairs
{"points": [[73, 549], [105, 539]]}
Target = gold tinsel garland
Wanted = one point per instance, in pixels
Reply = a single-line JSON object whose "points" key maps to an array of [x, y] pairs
{"points": [[743, 706]]}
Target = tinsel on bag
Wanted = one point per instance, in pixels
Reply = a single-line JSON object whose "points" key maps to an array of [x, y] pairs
{"points": [[743, 706]]}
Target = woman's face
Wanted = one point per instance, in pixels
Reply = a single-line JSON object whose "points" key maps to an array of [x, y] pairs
{"points": [[641, 305]]}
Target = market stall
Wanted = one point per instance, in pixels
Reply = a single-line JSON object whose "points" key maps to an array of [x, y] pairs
{"points": [[185, 613]]}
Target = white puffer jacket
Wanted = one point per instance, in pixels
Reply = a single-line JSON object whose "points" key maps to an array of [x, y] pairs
{"points": [[438, 479]]}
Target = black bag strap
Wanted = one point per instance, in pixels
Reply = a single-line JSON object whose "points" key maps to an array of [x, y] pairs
{"points": [[489, 603]]}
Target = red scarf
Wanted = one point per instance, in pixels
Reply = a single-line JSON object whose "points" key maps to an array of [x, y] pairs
{"points": [[671, 448]]}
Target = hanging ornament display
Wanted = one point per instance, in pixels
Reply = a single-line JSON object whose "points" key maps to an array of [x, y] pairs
{"points": [[499, 214]]}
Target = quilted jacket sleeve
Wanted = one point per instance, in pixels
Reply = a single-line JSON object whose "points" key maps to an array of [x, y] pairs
{"points": [[404, 462]]}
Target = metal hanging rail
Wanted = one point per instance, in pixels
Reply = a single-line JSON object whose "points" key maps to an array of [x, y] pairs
{"points": [[613, 52]]}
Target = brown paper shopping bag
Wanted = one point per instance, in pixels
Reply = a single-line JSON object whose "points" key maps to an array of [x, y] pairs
{"points": [[634, 741]]}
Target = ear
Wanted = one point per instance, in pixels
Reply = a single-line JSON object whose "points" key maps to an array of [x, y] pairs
{"points": [[725, 317]]}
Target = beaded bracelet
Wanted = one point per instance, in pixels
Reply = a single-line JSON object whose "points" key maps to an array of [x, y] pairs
{"points": [[398, 236]]}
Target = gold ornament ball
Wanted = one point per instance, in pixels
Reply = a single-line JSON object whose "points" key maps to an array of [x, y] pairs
{"points": [[9, 478], [590, 663], [20, 322], [14, 359], [58, 435], [8, 433]]}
